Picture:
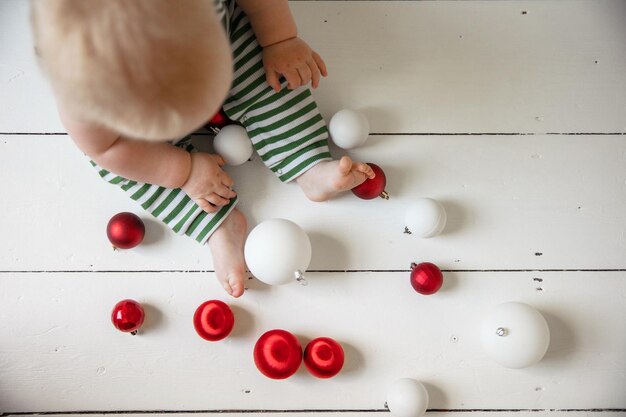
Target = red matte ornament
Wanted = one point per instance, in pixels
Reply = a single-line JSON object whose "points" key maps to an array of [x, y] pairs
{"points": [[219, 120], [277, 354], [125, 230], [213, 320], [323, 357], [127, 316], [372, 187], [426, 278]]}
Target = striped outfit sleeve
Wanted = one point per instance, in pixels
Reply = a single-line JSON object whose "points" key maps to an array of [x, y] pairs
{"points": [[286, 128]]}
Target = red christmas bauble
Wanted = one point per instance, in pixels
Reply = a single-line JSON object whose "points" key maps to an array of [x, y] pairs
{"points": [[219, 120], [277, 354], [213, 320], [426, 278], [127, 316], [372, 187], [323, 357], [125, 230]]}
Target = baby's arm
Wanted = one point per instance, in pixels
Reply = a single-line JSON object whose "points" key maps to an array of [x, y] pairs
{"points": [[283, 52], [159, 163], [271, 20]]}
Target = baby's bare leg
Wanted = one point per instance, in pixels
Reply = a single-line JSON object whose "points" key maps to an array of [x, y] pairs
{"points": [[226, 245], [329, 178]]}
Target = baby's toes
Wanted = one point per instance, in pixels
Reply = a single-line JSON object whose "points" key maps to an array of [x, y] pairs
{"points": [[235, 282], [227, 287], [365, 169]]}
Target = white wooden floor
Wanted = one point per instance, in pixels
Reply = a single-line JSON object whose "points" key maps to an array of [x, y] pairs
{"points": [[511, 113]]}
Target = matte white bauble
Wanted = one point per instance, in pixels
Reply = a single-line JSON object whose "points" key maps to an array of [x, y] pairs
{"points": [[278, 251], [425, 217], [349, 128], [407, 398], [515, 335], [233, 144]]}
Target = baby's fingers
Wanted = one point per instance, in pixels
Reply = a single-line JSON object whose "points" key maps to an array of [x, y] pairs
{"points": [[216, 200], [225, 192], [320, 63], [272, 79], [206, 206], [293, 78], [315, 74], [226, 180], [305, 74]]}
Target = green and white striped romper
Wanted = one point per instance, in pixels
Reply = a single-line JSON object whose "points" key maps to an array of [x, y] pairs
{"points": [[286, 129]]}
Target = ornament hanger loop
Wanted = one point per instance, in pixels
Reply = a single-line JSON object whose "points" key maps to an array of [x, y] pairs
{"points": [[300, 278]]}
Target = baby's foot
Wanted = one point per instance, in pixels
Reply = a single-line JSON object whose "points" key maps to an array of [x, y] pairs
{"points": [[226, 245], [327, 179]]}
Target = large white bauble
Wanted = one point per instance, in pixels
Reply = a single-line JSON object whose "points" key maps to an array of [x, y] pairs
{"points": [[515, 335], [425, 217], [276, 250], [233, 144], [407, 398], [349, 128]]}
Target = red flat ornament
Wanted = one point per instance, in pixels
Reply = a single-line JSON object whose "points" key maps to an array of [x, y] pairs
{"points": [[277, 354], [213, 320], [323, 357]]}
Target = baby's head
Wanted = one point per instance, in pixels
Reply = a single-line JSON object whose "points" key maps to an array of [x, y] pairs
{"points": [[147, 69]]}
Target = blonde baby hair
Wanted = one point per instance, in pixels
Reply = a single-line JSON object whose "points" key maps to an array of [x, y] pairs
{"points": [[147, 69]]}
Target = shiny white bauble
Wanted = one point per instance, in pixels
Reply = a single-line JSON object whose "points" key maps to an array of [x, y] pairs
{"points": [[425, 217], [233, 144], [277, 250], [407, 398], [515, 335], [349, 128]]}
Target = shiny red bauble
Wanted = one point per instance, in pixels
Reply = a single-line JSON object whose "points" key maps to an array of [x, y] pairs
{"points": [[426, 278], [323, 357], [372, 187], [128, 316], [213, 320], [125, 230], [219, 120], [277, 354]]}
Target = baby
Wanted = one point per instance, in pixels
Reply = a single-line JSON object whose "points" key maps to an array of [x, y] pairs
{"points": [[132, 77]]}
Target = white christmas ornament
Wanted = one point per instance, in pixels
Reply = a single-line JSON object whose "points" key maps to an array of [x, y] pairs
{"points": [[278, 252], [407, 398], [425, 217], [233, 144], [515, 335], [349, 129]]}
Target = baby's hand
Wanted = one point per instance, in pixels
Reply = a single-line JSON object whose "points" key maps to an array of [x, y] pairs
{"points": [[208, 185], [294, 59]]}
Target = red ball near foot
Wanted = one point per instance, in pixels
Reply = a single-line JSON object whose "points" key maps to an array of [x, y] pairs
{"points": [[277, 354], [374, 187], [125, 230], [426, 278], [219, 120], [127, 316], [213, 320], [323, 357]]}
